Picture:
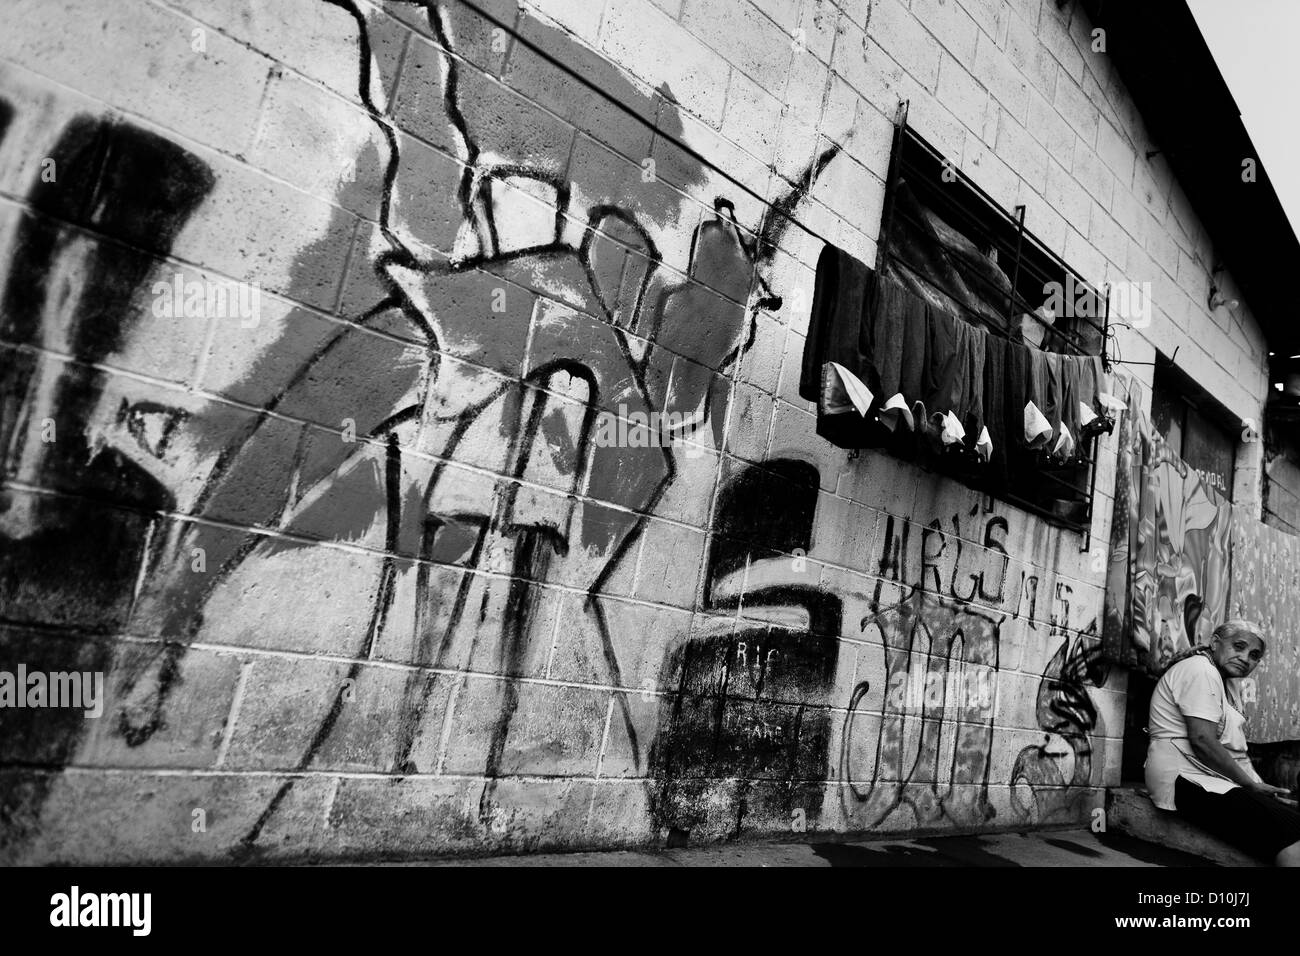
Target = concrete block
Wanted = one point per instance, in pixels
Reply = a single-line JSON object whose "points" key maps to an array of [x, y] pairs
{"points": [[582, 20], [1092, 174], [1048, 127], [669, 567], [1005, 81], [959, 92], [1077, 109], [1107, 236], [1114, 149], [83, 822], [794, 436], [1084, 257], [951, 25], [1151, 184], [1130, 810], [628, 130], [992, 175], [320, 42], [541, 729], [1028, 54], [752, 117], [1029, 159], [419, 102], [1163, 250], [750, 423], [326, 715], [1054, 31], [208, 96], [254, 229], [820, 24], [633, 35], [741, 35], [906, 40], [1042, 218]]}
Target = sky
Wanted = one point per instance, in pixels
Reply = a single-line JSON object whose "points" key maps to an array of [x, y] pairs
{"points": [[1254, 44]]}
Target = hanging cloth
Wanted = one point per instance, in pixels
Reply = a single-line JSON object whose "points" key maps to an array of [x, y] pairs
{"points": [[837, 331], [996, 386]]}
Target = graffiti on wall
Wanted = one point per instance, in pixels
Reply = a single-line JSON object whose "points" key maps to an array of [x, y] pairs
{"points": [[747, 733], [497, 324], [1047, 779], [933, 751], [477, 460], [1167, 583], [81, 252]]}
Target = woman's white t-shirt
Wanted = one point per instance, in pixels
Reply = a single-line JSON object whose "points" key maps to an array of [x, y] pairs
{"points": [[1192, 688]]}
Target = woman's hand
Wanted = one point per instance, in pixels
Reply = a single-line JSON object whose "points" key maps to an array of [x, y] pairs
{"points": [[1269, 790]]}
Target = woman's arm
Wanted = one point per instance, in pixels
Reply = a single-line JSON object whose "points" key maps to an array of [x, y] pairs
{"points": [[1204, 737]]}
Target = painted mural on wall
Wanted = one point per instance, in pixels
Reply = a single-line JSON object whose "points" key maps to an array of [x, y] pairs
{"points": [[404, 549], [1266, 590], [1167, 583]]}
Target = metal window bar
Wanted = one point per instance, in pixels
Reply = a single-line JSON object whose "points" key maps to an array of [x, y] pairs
{"points": [[887, 213]]}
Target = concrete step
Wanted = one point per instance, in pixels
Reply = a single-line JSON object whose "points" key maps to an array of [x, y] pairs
{"points": [[1130, 810]]}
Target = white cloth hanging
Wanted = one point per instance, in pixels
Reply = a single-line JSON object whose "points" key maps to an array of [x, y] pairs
{"points": [[895, 412], [856, 389], [1038, 430]]}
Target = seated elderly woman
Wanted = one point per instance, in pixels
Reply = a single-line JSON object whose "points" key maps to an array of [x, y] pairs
{"points": [[1197, 763]]}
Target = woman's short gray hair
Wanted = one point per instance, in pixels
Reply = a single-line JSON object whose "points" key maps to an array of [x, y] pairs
{"points": [[1230, 629]]}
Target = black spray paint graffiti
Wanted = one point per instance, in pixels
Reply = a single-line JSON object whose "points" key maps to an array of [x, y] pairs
{"points": [[1041, 789], [942, 561], [706, 319], [81, 253], [590, 326], [941, 633], [744, 740], [934, 633], [933, 751]]}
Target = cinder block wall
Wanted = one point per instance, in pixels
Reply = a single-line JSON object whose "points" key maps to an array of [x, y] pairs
{"points": [[364, 577]]}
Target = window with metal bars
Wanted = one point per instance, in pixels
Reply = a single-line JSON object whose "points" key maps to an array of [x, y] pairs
{"points": [[985, 266], [1198, 428]]}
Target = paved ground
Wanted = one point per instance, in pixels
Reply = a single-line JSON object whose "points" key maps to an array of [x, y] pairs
{"points": [[1079, 847]]}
